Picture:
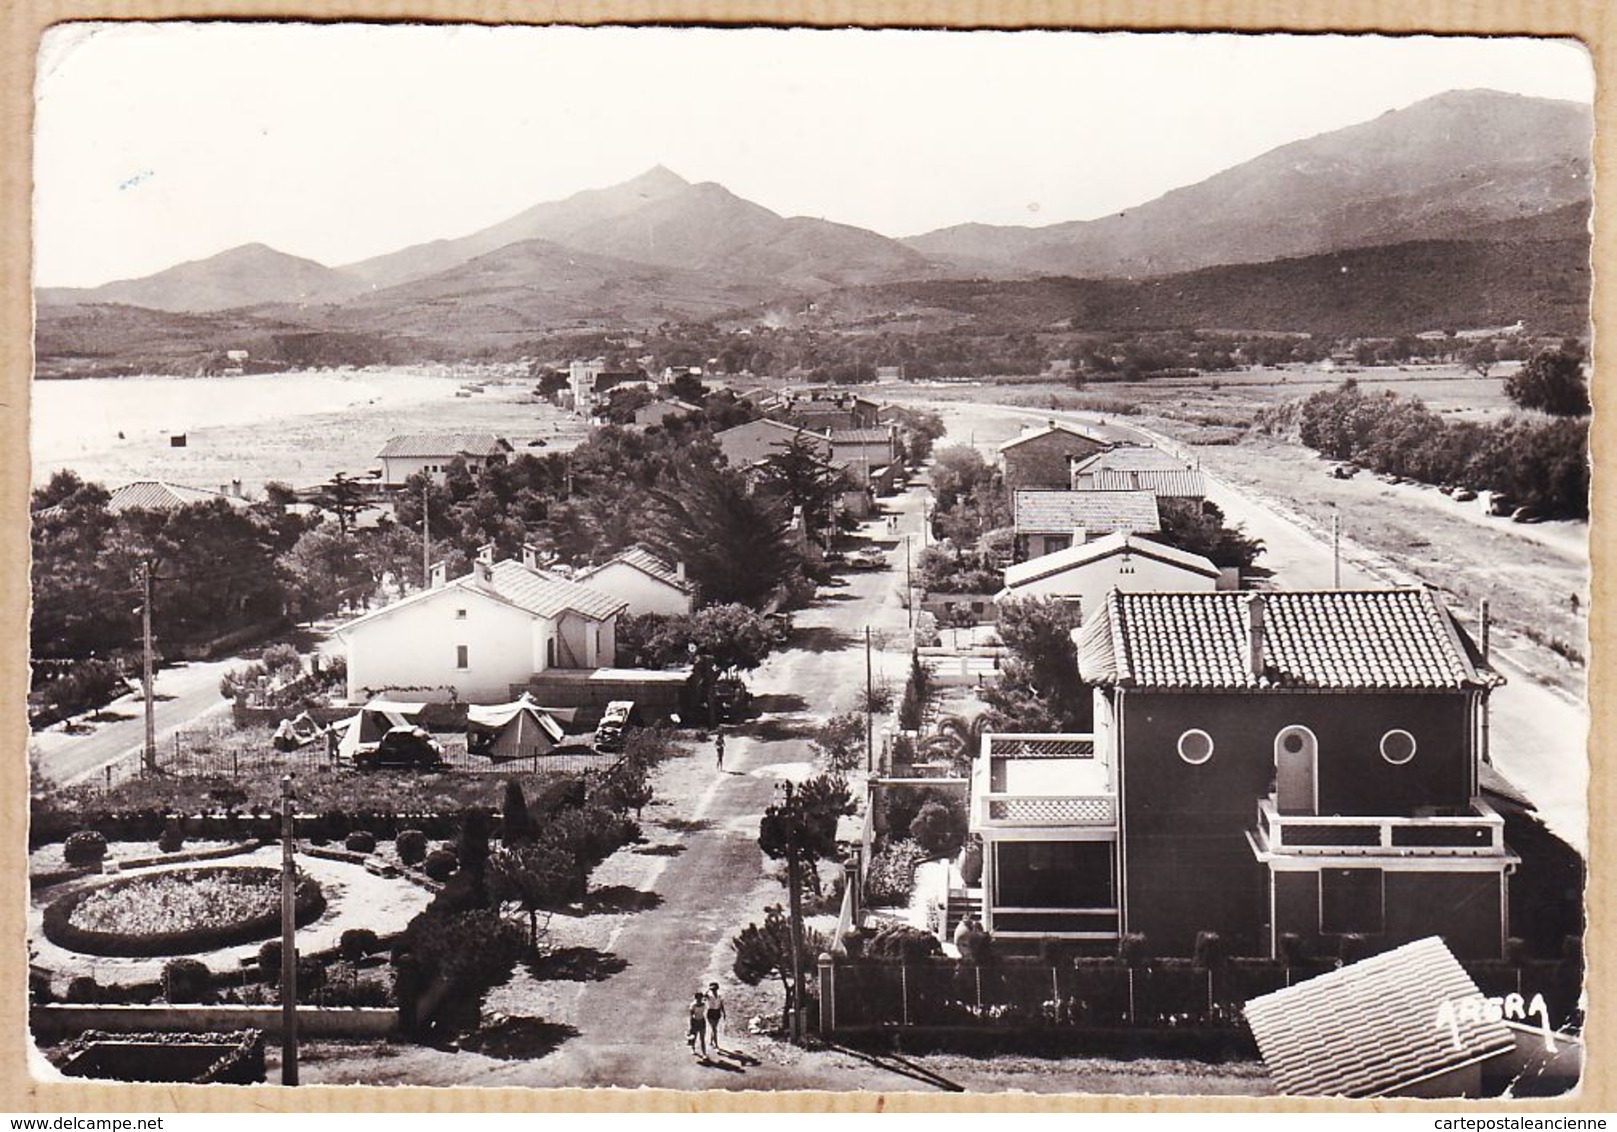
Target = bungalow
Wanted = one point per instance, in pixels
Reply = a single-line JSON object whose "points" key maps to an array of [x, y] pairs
{"points": [[157, 495], [821, 411], [1138, 467], [644, 582], [1048, 521], [405, 456], [655, 413], [1042, 457], [1262, 765], [871, 454], [756, 441], [476, 637], [1084, 574]]}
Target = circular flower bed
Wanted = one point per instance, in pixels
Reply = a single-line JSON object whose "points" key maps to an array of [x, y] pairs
{"points": [[177, 912]]}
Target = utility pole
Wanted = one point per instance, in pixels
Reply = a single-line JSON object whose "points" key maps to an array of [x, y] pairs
{"points": [[289, 952], [870, 708], [794, 885], [149, 754], [1336, 547], [909, 584], [426, 537]]}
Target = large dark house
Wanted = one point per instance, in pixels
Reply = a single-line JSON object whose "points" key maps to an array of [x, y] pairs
{"points": [[1262, 765]]}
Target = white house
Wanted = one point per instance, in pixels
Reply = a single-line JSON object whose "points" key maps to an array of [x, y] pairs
{"points": [[644, 582], [405, 456], [1051, 521], [1086, 573], [475, 638]]}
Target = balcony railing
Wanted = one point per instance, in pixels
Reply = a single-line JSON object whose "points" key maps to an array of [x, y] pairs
{"points": [[1480, 833], [1023, 810]]}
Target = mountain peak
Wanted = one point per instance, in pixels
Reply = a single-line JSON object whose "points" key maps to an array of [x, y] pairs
{"points": [[658, 177]]}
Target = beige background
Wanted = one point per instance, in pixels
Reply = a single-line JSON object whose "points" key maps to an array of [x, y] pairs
{"points": [[21, 23]]}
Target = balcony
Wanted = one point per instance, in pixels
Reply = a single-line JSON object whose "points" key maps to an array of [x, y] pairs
{"points": [[1480, 833], [1021, 811]]}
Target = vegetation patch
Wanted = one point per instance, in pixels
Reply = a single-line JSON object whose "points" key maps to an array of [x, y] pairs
{"points": [[177, 912]]}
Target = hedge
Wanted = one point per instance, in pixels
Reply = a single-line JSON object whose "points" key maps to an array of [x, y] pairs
{"points": [[309, 903]]}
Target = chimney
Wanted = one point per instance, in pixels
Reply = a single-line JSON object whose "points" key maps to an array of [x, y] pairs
{"points": [[1052, 422], [485, 553], [483, 573], [530, 556], [1255, 610], [440, 575], [1482, 619], [235, 488], [679, 570]]}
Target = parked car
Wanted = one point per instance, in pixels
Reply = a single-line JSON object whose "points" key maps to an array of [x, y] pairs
{"points": [[1343, 472], [733, 698], [866, 560], [1464, 495], [1527, 515], [616, 720], [1501, 505], [404, 748], [780, 626]]}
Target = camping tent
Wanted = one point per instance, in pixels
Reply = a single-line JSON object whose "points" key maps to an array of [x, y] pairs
{"points": [[374, 720], [517, 730]]}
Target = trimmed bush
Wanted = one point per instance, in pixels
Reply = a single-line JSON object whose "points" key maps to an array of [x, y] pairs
{"points": [[82, 988], [411, 845], [84, 848], [936, 830], [902, 942], [60, 929], [356, 943], [357, 992], [1132, 949], [171, 840], [186, 980], [360, 841], [440, 864], [269, 961], [891, 877]]}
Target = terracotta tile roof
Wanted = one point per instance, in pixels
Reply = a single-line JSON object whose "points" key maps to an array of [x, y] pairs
{"points": [[1333, 639], [1132, 458], [545, 594], [1062, 512], [1181, 483], [155, 495], [860, 436], [644, 561], [1086, 553], [447, 444], [1098, 434], [1373, 1027]]}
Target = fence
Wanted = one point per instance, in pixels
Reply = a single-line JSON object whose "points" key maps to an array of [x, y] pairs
{"points": [[937, 994]]}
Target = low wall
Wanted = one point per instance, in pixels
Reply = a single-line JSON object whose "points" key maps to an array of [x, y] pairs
{"points": [[57, 1021]]}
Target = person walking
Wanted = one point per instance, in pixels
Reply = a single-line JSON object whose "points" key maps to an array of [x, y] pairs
{"points": [[696, 1032], [714, 1004], [718, 745]]}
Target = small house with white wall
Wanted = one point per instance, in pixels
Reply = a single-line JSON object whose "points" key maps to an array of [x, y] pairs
{"points": [[475, 638], [1084, 574], [432, 453], [644, 582], [1049, 521]]}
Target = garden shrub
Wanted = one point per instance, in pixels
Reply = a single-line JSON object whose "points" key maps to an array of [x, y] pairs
{"points": [[84, 848], [356, 943], [411, 845], [441, 864], [269, 961], [171, 840], [1131, 948], [357, 992], [186, 980], [336, 824], [936, 830], [82, 988], [904, 943], [890, 878], [1210, 950], [39, 988], [360, 841]]}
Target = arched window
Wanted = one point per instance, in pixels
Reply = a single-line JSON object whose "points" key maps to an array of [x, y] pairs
{"points": [[1296, 770]]}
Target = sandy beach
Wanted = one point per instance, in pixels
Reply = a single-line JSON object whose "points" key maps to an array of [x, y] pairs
{"points": [[293, 428]]}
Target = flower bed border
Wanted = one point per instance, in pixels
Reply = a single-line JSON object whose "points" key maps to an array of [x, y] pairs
{"points": [[309, 903]]}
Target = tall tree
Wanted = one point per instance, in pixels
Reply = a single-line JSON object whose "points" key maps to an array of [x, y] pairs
{"points": [[1039, 688], [736, 547], [1551, 381]]}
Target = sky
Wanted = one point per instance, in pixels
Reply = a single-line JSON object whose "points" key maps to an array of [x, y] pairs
{"points": [[165, 142]]}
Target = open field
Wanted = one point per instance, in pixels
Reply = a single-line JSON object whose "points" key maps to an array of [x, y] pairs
{"points": [[294, 428]]}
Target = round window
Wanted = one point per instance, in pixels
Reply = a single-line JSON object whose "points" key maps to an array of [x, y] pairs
{"points": [[1195, 746], [1397, 747], [1293, 743]]}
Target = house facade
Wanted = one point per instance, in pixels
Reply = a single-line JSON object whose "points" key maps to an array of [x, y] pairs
{"points": [[1050, 521], [1083, 575], [643, 582], [1043, 457], [1138, 467], [405, 456], [1264, 765], [474, 638]]}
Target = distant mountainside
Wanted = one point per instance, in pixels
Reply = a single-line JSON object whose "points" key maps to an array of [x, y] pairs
{"points": [[1382, 291], [1435, 170], [247, 276]]}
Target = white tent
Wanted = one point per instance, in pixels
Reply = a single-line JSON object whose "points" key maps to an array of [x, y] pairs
{"points": [[517, 730], [374, 720]]}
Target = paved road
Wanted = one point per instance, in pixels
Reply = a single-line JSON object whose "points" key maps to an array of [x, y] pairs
{"points": [[185, 693]]}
